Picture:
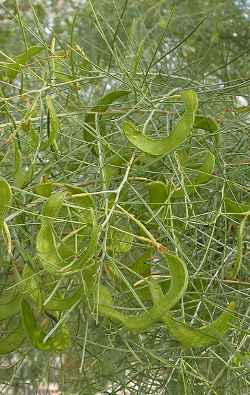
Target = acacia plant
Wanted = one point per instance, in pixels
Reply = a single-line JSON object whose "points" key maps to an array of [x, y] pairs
{"points": [[124, 206]]}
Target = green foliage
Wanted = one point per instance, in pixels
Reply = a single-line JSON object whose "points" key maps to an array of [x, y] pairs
{"points": [[124, 196], [9, 70], [181, 131]]}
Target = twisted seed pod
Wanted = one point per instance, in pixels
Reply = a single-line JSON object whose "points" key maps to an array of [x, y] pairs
{"points": [[181, 131], [201, 337], [179, 281]]}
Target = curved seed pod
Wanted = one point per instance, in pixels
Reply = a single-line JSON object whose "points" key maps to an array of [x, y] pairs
{"points": [[235, 268], [164, 146], [7, 295], [46, 244], [5, 201], [163, 303], [205, 173], [209, 124], [59, 303], [102, 106], [156, 292], [13, 340], [179, 282], [57, 342], [45, 240], [47, 249], [204, 336], [133, 323], [54, 204], [120, 242], [81, 262], [205, 170]]}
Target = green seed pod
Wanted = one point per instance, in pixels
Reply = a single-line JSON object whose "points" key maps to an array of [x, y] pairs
{"points": [[204, 336], [164, 146]]}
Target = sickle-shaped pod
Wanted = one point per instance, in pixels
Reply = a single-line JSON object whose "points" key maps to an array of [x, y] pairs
{"points": [[46, 244], [204, 336], [209, 124], [101, 107], [181, 131], [161, 305], [81, 262], [158, 193]]}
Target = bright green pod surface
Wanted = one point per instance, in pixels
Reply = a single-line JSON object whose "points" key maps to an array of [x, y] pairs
{"points": [[46, 248], [101, 107], [179, 282], [46, 245], [204, 336], [44, 189], [54, 204], [205, 171], [45, 241], [209, 124], [181, 131], [112, 168], [82, 262], [34, 332]]}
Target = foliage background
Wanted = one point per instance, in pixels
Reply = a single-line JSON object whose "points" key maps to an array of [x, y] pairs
{"points": [[150, 48]]}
